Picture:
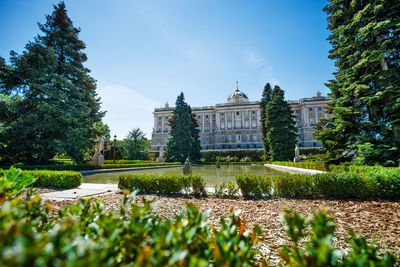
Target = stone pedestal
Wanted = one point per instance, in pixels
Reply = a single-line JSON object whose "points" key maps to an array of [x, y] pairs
{"points": [[187, 169], [296, 155], [97, 158]]}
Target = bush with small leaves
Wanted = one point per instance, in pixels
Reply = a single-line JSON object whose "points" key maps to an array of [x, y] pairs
{"points": [[318, 249]]}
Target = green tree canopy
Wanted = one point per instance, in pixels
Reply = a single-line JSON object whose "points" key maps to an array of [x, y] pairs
{"points": [[266, 96], [184, 135], [135, 145], [282, 132], [365, 39], [49, 102]]}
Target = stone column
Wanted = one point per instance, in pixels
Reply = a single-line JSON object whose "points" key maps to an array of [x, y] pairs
{"points": [[242, 117], [202, 122], [225, 119]]}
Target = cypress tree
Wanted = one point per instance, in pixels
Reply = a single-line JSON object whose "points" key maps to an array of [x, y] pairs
{"points": [[184, 135], [282, 132], [266, 95], [195, 131], [52, 101], [365, 39]]}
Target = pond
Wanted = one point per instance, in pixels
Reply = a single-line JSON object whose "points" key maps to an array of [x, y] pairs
{"points": [[211, 174]]}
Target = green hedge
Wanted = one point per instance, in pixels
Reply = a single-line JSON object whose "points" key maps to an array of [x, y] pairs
{"points": [[367, 183], [165, 184], [254, 186], [59, 179], [254, 155], [128, 161], [84, 167]]}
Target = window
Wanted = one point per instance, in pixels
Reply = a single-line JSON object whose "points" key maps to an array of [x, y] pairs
{"points": [[159, 118], [310, 109], [222, 114], [319, 108], [237, 113], [253, 112], [166, 118], [297, 111], [199, 117], [206, 116], [213, 116], [223, 138]]}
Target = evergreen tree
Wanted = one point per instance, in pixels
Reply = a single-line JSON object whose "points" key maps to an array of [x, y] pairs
{"points": [[282, 132], [266, 95], [184, 135], [51, 102], [135, 145], [195, 131], [365, 39]]}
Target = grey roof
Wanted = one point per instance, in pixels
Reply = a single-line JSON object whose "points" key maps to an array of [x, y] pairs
{"points": [[237, 93]]}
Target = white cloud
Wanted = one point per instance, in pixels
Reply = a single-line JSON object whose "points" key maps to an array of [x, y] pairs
{"points": [[259, 65], [254, 59], [126, 109]]}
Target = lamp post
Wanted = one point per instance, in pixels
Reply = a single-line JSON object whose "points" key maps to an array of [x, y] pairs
{"points": [[115, 144]]}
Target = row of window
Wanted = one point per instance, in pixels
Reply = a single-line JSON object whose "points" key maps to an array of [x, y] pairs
{"points": [[233, 138], [309, 109], [223, 114]]}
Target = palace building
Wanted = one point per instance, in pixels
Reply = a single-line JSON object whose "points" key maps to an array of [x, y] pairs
{"points": [[236, 123]]}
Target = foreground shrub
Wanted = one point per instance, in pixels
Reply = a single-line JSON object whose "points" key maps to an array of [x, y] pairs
{"points": [[59, 179], [165, 184], [86, 234], [318, 248]]}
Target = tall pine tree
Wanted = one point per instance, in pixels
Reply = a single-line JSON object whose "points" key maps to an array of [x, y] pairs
{"points": [[52, 106], [184, 135], [266, 96], [282, 132], [365, 39]]}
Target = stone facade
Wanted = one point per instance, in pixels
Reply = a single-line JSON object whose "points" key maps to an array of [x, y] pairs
{"points": [[236, 124]]}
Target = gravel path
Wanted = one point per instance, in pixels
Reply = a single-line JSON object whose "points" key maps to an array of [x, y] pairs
{"points": [[377, 220]]}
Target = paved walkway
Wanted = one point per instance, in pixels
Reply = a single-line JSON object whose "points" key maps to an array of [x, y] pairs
{"points": [[292, 169], [84, 190]]}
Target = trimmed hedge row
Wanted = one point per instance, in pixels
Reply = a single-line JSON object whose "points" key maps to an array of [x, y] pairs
{"points": [[252, 154], [165, 184], [84, 167], [127, 161], [372, 183], [59, 179]]}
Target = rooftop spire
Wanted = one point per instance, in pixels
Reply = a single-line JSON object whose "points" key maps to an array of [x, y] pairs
{"points": [[237, 86]]}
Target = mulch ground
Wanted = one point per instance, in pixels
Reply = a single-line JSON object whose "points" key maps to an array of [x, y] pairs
{"points": [[376, 220]]}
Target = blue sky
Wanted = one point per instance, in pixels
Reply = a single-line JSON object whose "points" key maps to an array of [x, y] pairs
{"points": [[143, 53]]}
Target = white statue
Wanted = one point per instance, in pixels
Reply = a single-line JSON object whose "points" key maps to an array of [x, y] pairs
{"points": [[98, 158], [296, 154], [160, 158]]}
